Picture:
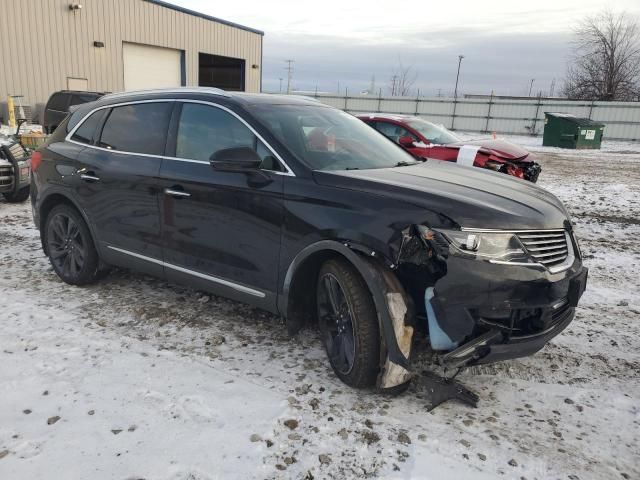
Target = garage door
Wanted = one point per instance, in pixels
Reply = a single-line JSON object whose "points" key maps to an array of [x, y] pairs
{"points": [[151, 67]]}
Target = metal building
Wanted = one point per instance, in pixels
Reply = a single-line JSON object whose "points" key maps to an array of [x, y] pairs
{"points": [[115, 45]]}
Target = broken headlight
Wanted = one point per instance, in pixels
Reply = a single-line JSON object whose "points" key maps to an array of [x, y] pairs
{"points": [[496, 247]]}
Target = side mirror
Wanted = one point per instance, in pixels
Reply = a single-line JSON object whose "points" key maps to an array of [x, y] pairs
{"points": [[237, 159], [406, 142]]}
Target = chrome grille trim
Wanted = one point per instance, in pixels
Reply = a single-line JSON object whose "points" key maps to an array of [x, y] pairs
{"points": [[551, 248], [6, 175]]}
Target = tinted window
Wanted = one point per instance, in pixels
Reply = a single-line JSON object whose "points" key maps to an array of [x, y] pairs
{"points": [[85, 133], [138, 128], [203, 130], [58, 101], [80, 98]]}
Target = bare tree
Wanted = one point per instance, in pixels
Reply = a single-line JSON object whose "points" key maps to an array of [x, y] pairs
{"points": [[605, 64], [402, 80]]}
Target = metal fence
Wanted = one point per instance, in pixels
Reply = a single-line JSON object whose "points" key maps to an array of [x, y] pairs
{"points": [[492, 114]]}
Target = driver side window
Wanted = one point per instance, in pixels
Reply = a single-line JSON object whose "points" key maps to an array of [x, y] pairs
{"points": [[203, 130], [393, 131]]}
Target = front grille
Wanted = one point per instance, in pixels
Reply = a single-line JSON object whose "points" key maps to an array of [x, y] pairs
{"points": [[524, 321], [6, 175], [548, 247]]}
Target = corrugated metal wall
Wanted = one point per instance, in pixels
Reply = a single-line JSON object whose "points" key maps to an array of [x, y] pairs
{"points": [[42, 43], [509, 116]]}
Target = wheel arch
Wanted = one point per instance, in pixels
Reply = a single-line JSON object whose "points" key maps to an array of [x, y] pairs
{"points": [[296, 302], [49, 203]]}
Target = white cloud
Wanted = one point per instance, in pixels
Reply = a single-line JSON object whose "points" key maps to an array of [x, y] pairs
{"points": [[505, 43]]}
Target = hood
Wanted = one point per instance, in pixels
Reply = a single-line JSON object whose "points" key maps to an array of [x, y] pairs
{"points": [[471, 197], [499, 148]]}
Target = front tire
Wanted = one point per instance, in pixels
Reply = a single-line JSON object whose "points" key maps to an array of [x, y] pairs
{"points": [[17, 197], [348, 324], [70, 246]]}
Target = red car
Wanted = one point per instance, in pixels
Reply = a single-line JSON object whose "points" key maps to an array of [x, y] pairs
{"points": [[425, 140]]}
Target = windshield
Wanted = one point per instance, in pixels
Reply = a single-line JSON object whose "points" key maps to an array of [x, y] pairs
{"points": [[325, 138], [433, 133]]}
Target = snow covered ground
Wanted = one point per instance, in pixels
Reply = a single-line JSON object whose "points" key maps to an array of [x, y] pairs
{"points": [[133, 378]]}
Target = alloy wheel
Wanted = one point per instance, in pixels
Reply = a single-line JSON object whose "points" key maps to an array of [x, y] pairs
{"points": [[337, 323], [67, 248]]}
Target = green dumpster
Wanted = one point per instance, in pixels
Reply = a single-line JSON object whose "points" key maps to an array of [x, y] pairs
{"points": [[568, 131]]}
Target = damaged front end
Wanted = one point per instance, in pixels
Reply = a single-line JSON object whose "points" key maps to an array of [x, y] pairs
{"points": [[529, 171], [487, 296]]}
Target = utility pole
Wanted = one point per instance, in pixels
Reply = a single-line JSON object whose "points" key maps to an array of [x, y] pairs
{"points": [[455, 92], [289, 75], [531, 85], [439, 92], [280, 85]]}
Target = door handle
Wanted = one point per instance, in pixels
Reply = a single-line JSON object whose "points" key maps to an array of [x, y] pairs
{"points": [[89, 178], [173, 192]]}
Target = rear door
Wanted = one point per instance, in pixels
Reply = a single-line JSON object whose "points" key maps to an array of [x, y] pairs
{"points": [[118, 183], [221, 230]]}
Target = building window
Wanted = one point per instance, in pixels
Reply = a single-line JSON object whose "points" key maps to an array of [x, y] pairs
{"points": [[221, 72]]}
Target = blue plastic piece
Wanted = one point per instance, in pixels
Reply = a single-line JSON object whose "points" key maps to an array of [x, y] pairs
{"points": [[438, 338]]}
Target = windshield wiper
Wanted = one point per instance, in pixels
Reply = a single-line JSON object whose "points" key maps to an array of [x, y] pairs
{"points": [[405, 164]]}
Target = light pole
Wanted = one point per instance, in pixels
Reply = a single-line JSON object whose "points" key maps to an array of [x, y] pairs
{"points": [[280, 91], [455, 94]]}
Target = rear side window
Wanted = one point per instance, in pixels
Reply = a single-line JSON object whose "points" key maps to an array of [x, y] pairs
{"points": [[137, 128], [86, 132], [203, 130], [80, 98], [58, 101]]}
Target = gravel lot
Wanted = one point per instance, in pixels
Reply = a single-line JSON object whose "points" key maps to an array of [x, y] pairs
{"points": [[135, 378]]}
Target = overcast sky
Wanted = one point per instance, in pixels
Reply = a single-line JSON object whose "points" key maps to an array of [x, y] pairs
{"points": [[344, 43]]}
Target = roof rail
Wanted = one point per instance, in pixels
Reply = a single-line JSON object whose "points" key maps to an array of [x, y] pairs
{"points": [[212, 90]]}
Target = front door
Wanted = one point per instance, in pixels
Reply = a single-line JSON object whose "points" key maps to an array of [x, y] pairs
{"points": [[117, 183], [221, 230]]}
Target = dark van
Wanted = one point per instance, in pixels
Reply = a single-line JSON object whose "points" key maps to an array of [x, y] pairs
{"points": [[58, 105]]}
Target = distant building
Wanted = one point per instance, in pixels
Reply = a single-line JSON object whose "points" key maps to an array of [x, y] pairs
{"points": [[115, 45]]}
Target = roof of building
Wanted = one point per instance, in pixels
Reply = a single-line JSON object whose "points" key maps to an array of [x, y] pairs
{"points": [[202, 15]]}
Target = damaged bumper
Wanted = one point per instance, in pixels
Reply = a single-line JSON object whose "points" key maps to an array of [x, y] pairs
{"points": [[499, 312]]}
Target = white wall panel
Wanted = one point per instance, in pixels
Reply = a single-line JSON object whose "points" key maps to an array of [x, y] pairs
{"points": [[622, 119]]}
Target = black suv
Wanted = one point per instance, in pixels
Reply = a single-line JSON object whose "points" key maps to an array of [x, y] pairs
{"points": [[59, 103], [303, 210]]}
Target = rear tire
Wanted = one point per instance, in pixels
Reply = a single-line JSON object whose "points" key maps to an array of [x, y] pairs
{"points": [[348, 324], [70, 246], [18, 197]]}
